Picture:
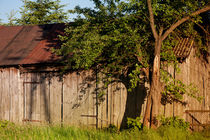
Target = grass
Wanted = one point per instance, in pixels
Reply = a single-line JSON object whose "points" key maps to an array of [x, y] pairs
{"points": [[10, 131]]}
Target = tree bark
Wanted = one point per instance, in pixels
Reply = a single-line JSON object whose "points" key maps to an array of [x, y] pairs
{"points": [[153, 101], [146, 120], [155, 84]]}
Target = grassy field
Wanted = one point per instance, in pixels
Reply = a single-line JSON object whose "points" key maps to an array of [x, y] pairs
{"points": [[10, 131]]}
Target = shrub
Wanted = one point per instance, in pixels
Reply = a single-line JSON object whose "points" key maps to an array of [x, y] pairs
{"points": [[111, 129], [134, 123], [5, 124], [174, 122]]}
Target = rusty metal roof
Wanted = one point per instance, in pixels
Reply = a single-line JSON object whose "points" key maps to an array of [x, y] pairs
{"points": [[28, 44], [183, 48], [32, 44]]}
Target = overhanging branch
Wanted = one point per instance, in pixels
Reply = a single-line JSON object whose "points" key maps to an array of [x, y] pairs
{"points": [[179, 22], [151, 18]]}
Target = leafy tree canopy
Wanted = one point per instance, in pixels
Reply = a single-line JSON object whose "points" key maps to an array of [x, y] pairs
{"points": [[42, 12], [116, 35]]}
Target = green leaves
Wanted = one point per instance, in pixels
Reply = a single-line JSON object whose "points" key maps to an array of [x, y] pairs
{"points": [[116, 37], [174, 90], [134, 123], [42, 12], [175, 122], [112, 42]]}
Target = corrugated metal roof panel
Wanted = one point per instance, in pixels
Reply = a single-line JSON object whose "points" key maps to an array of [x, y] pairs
{"points": [[32, 44], [28, 44], [183, 49]]}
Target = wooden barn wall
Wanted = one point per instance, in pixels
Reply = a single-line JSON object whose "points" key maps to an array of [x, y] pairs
{"points": [[197, 72], [10, 95], [76, 99]]}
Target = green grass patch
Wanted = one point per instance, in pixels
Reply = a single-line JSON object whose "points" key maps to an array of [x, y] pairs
{"points": [[10, 131]]}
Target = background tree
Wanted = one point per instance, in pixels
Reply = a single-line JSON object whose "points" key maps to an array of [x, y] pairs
{"points": [[11, 18], [126, 39], [42, 12], [1, 22]]}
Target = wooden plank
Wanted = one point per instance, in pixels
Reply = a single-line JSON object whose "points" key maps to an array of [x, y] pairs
{"points": [[28, 98], [70, 100], [91, 99], [45, 98], [82, 98], [55, 99], [11, 91], [20, 96], [201, 111], [146, 86], [80, 115], [124, 95], [14, 112], [119, 105], [110, 119], [37, 95], [102, 92], [114, 109], [6, 95]]}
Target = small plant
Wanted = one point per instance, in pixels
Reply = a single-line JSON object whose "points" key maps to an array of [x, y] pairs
{"points": [[112, 129], [174, 122], [4, 123], [134, 123]]}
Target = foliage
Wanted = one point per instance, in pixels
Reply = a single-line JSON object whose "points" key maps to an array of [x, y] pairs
{"points": [[42, 12], [11, 18], [134, 123], [5, 124], [175, 89], [111, 129], [109, 40], [1, 22], [116, 37], [174, 122]]}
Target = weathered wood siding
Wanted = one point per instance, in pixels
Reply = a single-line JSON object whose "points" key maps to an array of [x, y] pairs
{"points": [[197, 72], [10, 95], [75, 99], [49, 98]]}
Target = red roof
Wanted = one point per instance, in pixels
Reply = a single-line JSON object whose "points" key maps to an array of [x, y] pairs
{"points": [[32, 44], [28, 44], [183, 48]]}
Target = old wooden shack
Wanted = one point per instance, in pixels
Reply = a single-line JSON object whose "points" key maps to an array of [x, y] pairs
{"points": [[32, 89]]}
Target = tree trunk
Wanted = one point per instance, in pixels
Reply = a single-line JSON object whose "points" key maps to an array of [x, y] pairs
{"points": [[153, 102], [155, 84], [146, 120]]}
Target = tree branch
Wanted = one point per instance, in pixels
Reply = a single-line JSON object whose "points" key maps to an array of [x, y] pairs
{"points": [[201, 27], [151, 19], [179, 22]]}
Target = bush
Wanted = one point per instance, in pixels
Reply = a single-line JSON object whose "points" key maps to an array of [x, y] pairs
{"points": [[134, 123], [174, 122], [5, 124], [111, 129]]}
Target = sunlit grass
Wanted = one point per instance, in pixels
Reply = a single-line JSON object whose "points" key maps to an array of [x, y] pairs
{"points": [[16, 132]]}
